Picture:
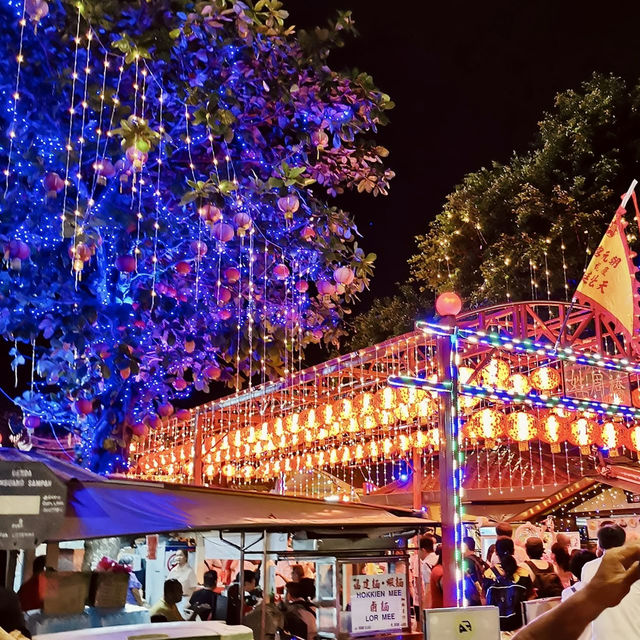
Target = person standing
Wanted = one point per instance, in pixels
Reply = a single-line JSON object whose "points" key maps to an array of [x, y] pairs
{"points": [[299, 615], [205, 601], [562, 561], [133, 593], [504, 529], [237, 606], [546, 582], [622, 620], [436, 592], [31, 593], [183, 573]]}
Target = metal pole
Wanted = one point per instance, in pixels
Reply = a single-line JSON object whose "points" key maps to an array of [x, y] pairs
{"points": [[266, 586], [417, 505], [449, 472], [197, 450], [241, 578]]}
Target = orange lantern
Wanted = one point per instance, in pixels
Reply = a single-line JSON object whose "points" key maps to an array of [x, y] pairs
{"points": [[403, 413], [467, 402], [307, 419], [257, 449], [635, 397], [387, 447], [342, 409], [251, 435], [583, 432], [264, 431], [368, 422], [335, 429], [495, 373], [610, 436], [326, 413], [352, 425], [229, 471], [518, 383], [333, 457], [248, 472], [345, 455], [433, 439], [385, 399], [487, 424], [278, 426], [426, 409], [404, 442], [545, 379], [521, 427], [364, 404], [358, 453], [374, 451], [633, 438], [292, 423]]}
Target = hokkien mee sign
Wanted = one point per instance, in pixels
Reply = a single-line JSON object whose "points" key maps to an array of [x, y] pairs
{"points": [[378, 603]]}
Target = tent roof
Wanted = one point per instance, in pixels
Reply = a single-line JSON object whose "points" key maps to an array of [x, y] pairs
{"points": [[99, 507]]}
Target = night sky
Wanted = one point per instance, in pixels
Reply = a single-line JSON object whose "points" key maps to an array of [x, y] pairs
{"points": [[470, 81]]}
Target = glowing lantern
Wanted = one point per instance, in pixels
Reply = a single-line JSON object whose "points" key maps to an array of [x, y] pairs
{"points": [[448, 304], [373, 449], [225, 443], [487, 424], [321, 458], [353, 425], [257, 449], [404, 442], [464, 375], [292, 423], [278, 426], [358, 453], [495, 373], [335, 429], [342, 409], [368, 422], [345, 455], [387, 447], [363, 404], [518, 383], [333, 457], [426, 409], [553, 430], [326, 412], [610, 436], [251, 435], [237, 438], [545, 379], [308, 461], [633, 438], [264, 431], [323, 434], [385, 399], [521, 427], [583, 434], [229, 470], [403, 413]]}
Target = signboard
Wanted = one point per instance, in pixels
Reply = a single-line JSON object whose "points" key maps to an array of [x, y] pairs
{"points": [[593, 383], [470, 623], [378, 603], [630, 524], [32, 504]]}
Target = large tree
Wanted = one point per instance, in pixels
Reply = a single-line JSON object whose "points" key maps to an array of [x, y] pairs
{"points": [[165, 220], [504, 231]]}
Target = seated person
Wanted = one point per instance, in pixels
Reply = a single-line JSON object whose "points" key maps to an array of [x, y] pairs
{"points": [[205, 602], [165, 610]]}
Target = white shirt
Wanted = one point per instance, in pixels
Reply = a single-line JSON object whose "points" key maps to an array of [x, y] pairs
{"points": [[567, 593], [620, 622], [186, 576], [425, 574]]}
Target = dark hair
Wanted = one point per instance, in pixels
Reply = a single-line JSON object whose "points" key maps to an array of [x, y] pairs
{"points": [[490, 551], [438, 552], [561, 555], [578, 560], [504, 529], [427, 544], [297, 568], [308, 588], [610, 536], [210, 578], [171, 585], [505, 550], [534, 547], [250, 576], [295, 589], [39, 564], [470, 542]]}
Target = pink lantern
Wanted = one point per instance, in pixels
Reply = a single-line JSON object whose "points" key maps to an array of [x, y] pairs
{"points": [[222, 232], [212, 372], [326, 288], [448, 304], [183, 414], [36, 9], [83, 406], [139, 429], [231, 275], [179, 384], [281, 271], [31, 422], [289, 204], [17, 249], [223, 296], [183, 268], [344, 275], [199, 248], [53, 183], [165, 409], [302, 286], [209, 213], [307, 233], [126, 264], [243, 221]]}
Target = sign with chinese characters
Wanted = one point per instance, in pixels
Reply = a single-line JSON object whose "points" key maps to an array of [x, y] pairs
{"points": [[32, 504], [378, 603], [594, 383]]}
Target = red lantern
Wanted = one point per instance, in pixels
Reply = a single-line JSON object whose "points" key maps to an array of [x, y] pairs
{"points": [[633, 438], [495, 373], [553, 430], [281, 271], [545, 379], [583, 433], [518, 383], [486, 424], [610, 436], [232, 275], [83, 406], [521, 427], [448, 304], [635, 397]]}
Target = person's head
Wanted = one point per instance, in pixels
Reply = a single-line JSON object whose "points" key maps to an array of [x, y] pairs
{"points": [[469, 544], [578, 560], [426, 547], [126, 560], [610, 536], [505, 549], [295, 591], [564, 540], [181, 557], [438, 552], [534, 547], [490, 551], [210, 579], [561, 556], [504, 529], [39, 564], [308, 588], [250, 580], [172, 591], [297, 573]]}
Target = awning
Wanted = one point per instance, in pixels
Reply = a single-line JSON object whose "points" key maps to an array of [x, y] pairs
{"points": [[98, 507]]}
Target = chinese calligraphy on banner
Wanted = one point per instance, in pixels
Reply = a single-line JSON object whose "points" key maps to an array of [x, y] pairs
{"points": [[609, 281], [591, 383], [378, 603]]}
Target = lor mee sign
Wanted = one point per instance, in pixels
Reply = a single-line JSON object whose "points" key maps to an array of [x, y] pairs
{"points": [[32, 504], [378, 603]]}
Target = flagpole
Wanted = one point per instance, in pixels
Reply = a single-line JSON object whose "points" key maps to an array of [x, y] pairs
{"points": [[623, 204]]}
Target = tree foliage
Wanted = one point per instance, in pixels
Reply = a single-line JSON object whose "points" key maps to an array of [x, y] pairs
{"points": [[176, 229], [507, 224]]}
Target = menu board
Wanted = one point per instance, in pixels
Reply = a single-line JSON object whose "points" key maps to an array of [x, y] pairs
{"points": [[32, 504], [630, 524], [378, 603]]}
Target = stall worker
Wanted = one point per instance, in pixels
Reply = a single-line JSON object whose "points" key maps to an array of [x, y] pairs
{"points": [[32, 590]]}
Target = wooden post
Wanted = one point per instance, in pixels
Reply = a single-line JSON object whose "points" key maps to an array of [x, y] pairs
{"points": [[417, 479], [197, 450]]}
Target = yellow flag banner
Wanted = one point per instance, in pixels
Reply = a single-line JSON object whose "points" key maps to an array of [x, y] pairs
{"points": [[609, 282]]}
